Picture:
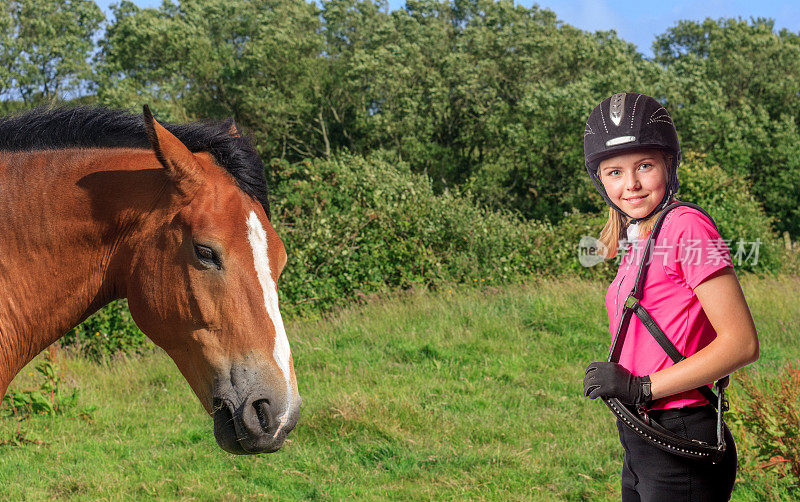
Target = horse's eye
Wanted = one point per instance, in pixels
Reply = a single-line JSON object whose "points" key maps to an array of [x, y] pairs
{"points": [[207, 255]]}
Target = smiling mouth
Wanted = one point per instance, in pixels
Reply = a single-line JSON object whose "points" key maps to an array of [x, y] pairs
{"points": [[636, 198]]}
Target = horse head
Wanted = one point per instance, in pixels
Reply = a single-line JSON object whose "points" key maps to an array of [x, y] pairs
{"points": [[202, 285]]}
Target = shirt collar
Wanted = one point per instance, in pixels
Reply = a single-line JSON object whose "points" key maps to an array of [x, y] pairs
{"points": [[633, 232]]}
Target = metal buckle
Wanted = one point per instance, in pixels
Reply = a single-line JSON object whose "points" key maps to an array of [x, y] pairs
{"points": [[630, 302]]}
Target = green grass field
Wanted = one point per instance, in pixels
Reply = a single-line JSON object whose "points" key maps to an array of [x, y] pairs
{"points": [[458, 394]]}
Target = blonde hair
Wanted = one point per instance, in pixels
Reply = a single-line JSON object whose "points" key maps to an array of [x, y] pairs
{"points": [[616, 229], [617, 225]]}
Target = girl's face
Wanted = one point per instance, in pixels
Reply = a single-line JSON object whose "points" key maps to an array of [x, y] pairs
{"points": [[635, 180]]}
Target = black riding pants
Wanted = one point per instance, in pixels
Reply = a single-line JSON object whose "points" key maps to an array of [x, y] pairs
{"points": [[651, 475]]}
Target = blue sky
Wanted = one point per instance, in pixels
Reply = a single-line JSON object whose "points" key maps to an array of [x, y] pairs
{"points": [[639, 21], [636, 21]]}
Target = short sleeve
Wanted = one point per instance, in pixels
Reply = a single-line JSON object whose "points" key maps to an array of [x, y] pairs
{"points": [[693, 249]]}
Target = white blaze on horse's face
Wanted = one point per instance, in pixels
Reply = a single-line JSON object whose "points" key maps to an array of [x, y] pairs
{"points": [[281, 352], [213, 312]]}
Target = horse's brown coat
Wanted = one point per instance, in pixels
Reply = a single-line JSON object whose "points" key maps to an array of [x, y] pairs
{"points": [[82, 227]]}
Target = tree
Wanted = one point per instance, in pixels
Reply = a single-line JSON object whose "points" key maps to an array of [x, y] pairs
{"points": [[7, 48], [732, 88], [253, 60], [48, 54]]}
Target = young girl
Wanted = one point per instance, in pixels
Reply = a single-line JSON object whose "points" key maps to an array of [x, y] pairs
{"points": [[691, 291]]}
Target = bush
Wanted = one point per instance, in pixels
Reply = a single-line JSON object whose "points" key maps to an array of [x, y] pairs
{"points": [[771, 413], [738, 215], [109, 331], [568, 233], [356, 225], [49, 399]]}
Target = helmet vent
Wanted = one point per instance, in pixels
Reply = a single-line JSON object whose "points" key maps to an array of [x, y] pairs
{"points": [[660, 115], [620, 140], [617, 108]]}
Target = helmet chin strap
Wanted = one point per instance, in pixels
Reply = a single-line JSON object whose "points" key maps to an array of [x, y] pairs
{"points": [[631, 220], [661, 205]]}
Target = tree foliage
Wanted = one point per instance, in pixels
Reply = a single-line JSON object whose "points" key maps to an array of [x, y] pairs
{"points": [[732, 86], [46, 47], [257, 61]]}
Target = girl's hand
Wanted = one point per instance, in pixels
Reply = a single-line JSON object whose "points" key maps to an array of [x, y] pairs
{"points": [[604, 379]]}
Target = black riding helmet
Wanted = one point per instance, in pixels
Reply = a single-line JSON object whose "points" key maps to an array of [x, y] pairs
{"points": [[625, 121]]}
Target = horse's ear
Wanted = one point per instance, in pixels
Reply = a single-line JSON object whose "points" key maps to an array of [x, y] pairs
{"points": [[230, 124], [178, 161]]}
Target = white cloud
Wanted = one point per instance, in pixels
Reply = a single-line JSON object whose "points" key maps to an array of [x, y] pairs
{"points": [[595, 15]]}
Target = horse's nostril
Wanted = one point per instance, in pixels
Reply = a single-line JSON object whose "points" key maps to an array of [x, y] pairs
{"points": [[262, 411]]}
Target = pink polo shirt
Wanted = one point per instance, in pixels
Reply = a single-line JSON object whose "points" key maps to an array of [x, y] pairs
{"points": [[687, 250]]}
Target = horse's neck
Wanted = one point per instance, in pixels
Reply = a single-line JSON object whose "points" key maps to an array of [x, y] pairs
{"points": [[63, 221]]}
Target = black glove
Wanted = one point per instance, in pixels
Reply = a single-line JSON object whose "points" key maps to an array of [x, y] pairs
{"points": [[604, 379]]}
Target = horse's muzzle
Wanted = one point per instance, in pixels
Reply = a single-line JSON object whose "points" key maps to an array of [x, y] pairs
{"points": [[256, 424]]}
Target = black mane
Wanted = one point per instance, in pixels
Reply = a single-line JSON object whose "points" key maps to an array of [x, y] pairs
{"points": [[99, 127]]}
